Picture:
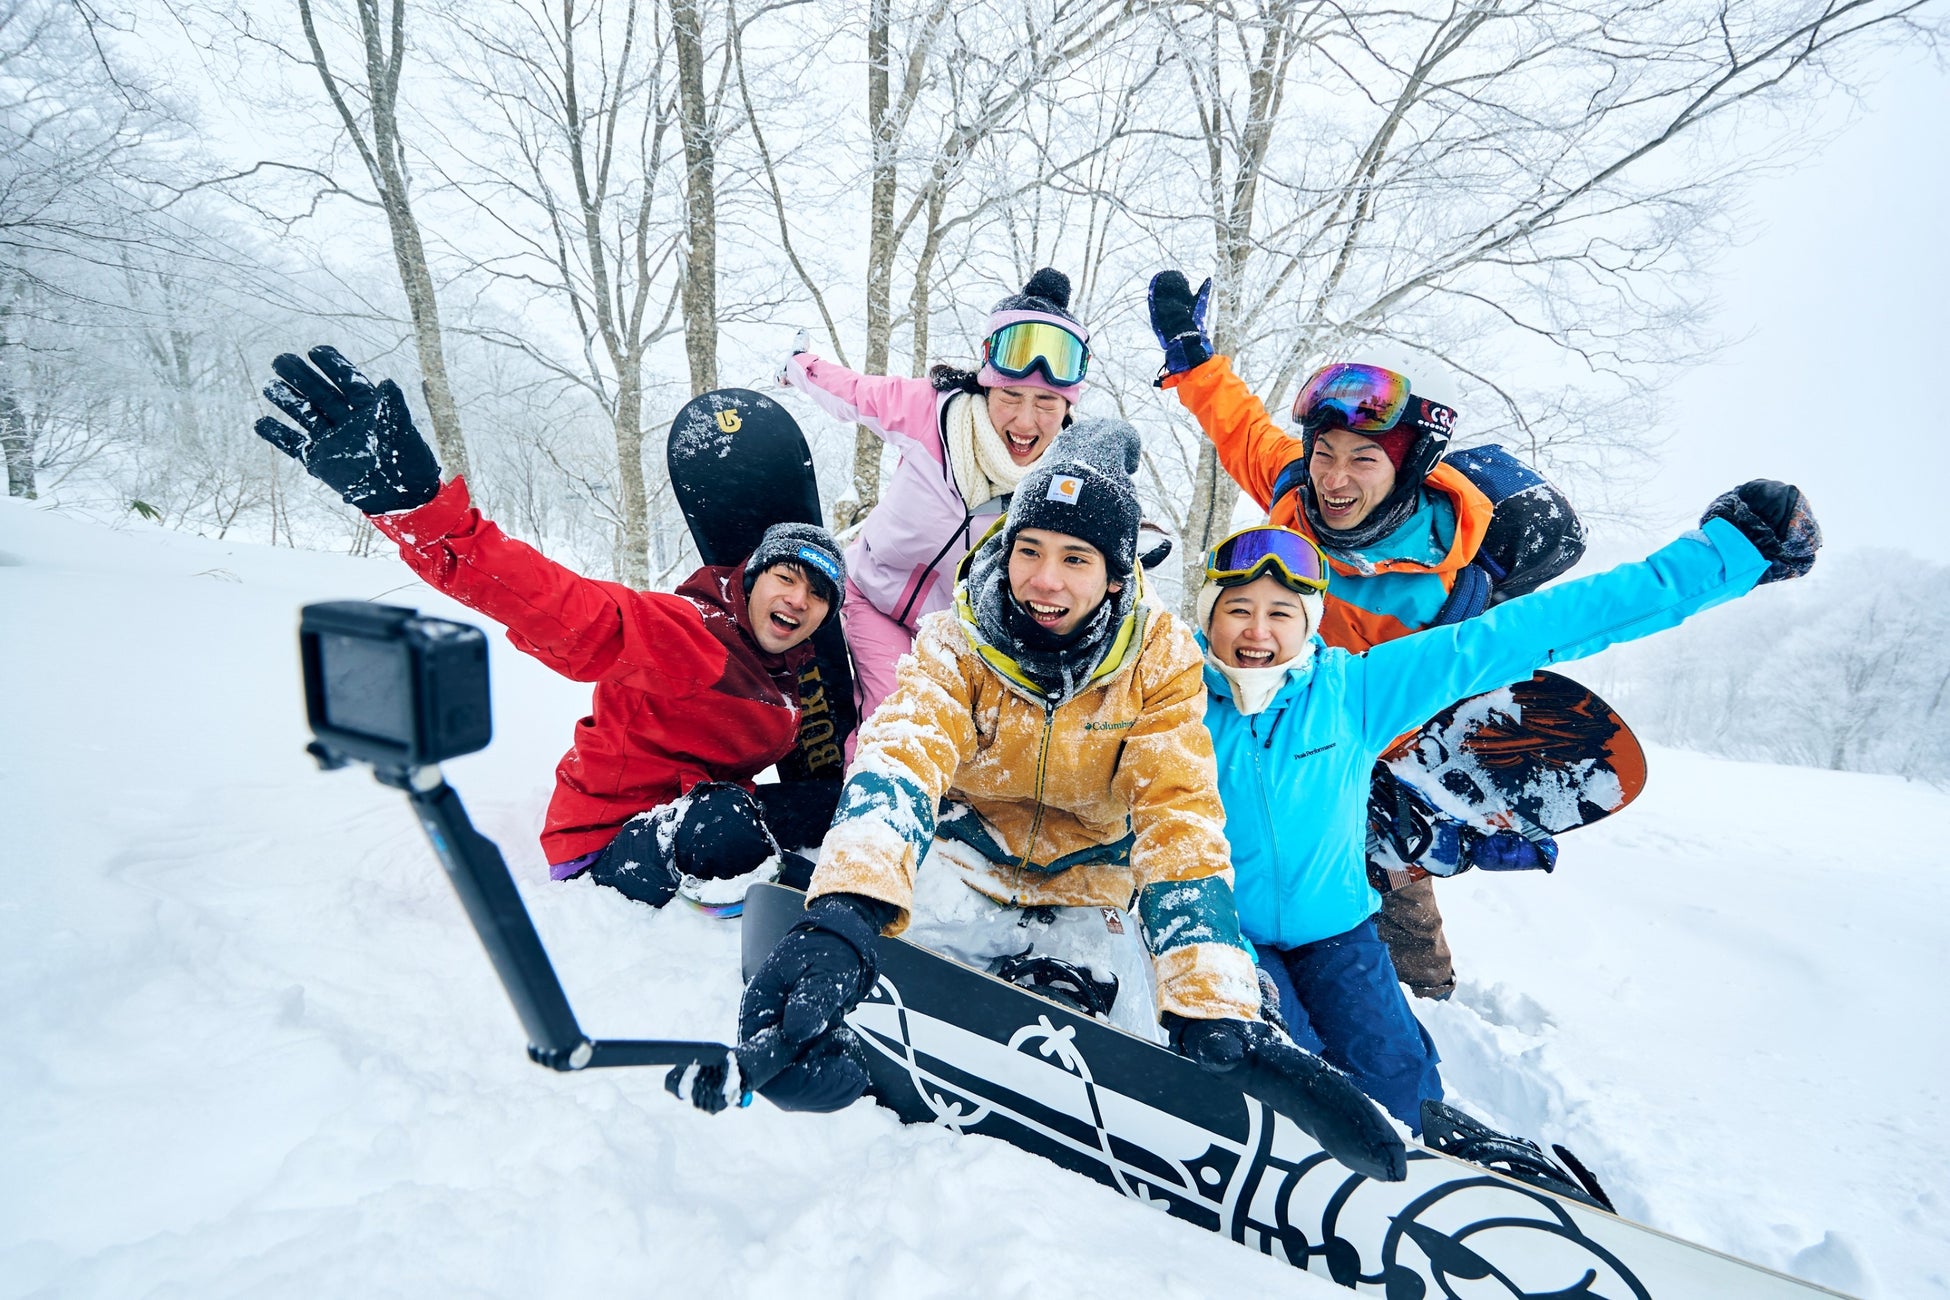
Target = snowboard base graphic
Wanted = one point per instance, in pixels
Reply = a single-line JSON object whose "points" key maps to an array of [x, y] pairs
{"points": [[951, 1045], [739, 464], [1536, 759]]}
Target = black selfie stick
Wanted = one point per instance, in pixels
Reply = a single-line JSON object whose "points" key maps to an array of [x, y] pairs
{"points": [[359, 657]]}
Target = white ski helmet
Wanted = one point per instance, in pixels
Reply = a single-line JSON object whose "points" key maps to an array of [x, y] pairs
{"points": [[1430, 412]]}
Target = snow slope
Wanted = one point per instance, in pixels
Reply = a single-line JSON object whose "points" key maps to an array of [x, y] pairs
{"points": [[248, 1047]]}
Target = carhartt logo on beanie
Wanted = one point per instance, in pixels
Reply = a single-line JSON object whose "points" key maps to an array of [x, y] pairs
{"points": [[808, 546], [1082, 488]]}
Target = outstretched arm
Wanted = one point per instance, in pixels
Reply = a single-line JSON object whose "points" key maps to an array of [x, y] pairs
{"points": [[584, 629], [1407, 680], [1251, 446], [903, 411]]}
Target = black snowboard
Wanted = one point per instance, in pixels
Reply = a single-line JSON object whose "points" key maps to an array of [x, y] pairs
{"points": [[951, 1045], [739, 464]]}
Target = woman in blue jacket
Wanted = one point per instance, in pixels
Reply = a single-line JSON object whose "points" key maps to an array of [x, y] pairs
{"points": [[1297, 727]]}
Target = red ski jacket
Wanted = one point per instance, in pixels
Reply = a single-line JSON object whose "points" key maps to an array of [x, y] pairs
{"points": [[683, 693]]}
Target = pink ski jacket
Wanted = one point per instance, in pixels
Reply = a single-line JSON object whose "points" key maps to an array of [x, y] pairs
{"points": [[904, 559]]}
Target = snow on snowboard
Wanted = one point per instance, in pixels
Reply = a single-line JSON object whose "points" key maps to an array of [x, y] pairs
{"points": [[739, 464], [951, 1045], [1536, 759]]}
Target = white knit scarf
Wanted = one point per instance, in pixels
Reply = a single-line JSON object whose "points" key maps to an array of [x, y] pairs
{"points": [[977, 453]]}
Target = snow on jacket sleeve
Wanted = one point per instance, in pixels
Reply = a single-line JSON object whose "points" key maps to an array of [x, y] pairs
{"points": [[1409, 680], [586, 630], [908, 754], [1170, 780], [1252, 448], [906, 412]]}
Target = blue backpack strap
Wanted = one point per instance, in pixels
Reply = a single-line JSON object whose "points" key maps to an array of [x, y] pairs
{"points": [[1468, 598], [1288, 479]]}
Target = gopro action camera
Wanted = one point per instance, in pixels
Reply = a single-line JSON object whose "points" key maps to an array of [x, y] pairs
{"points": [[385, 686]]}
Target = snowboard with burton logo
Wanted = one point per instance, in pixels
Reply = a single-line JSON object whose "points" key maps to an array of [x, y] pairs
{"points": [[739, 464], [951, 1045]]}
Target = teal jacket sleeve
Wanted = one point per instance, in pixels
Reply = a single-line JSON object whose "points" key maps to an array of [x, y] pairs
{"points": [[1409, 680]]}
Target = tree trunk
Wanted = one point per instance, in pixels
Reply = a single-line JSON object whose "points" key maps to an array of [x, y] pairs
{"points": [[881, 247], [700, 288], [384, 156], [16, 437], [633, 564]]}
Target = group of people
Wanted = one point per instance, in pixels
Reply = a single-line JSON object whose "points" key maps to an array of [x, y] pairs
{"points": [[1055, 778]]}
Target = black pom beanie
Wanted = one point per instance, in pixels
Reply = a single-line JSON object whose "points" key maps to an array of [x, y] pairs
{"points": [[805, 546]]}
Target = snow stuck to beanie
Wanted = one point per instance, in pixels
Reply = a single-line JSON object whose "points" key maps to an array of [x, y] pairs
{"points": [[809, 548], [1082, 487]]}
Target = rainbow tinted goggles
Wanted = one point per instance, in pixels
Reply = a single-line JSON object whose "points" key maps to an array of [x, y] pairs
{"points": [[1364, 399], [1021, 348], [1252, 553]]}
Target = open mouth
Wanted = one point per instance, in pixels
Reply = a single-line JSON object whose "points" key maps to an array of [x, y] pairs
{"points": [[784, 624], [1046, 615], [1020, 445], [1245, 658], [1337, 505]]}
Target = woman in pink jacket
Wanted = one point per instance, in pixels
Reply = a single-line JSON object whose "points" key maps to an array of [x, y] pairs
{"points": [[965, 441]]}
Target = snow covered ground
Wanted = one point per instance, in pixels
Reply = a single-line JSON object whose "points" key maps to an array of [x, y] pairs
{"points": [[248, 1047]]}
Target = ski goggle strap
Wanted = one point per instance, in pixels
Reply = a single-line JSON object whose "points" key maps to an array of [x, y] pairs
{"points": [[1364, 399], [1023, 347], [1254, 552]]}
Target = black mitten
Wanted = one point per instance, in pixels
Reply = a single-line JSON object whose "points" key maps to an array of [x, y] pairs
{"points": [[355, 437], [1776, 518], [792, 1047], [1313, 1094], [1178, 319]]}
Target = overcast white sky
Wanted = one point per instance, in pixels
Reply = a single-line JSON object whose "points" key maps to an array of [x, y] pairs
{"points": [[1841, 382]]}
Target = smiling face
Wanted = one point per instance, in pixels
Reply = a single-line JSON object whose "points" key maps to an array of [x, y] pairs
{"points": [[784, 608], [1351, 475], [1258, 624], [1028, 420], [1059, 579]]}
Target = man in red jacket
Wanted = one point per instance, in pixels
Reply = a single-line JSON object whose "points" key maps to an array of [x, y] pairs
{"points": [[696, 692]]}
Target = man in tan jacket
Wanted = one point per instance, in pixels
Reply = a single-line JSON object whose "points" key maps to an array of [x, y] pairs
{"points": [[1058, 724]]}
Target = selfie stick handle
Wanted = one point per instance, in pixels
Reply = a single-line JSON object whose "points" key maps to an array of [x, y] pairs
{"points": [[480, 876]]}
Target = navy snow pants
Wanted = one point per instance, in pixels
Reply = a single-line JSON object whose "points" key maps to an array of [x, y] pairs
{"points": [[1341, 1001]]}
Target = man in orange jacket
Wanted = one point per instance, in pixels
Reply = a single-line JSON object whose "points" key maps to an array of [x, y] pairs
{"points": [[1416, 539]]}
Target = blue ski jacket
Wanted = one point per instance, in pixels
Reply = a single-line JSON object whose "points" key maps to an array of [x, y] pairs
{"points": [[1294, 777]]}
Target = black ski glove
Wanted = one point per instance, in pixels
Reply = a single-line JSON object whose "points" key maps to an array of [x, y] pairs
{"points": [[1313, 1094], [353, 437], [1178, 319], [792, 1047], [1775, 517]]}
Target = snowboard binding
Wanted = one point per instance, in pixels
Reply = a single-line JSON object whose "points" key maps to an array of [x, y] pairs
{"points": [[1060, 981], [1451, 1132]]}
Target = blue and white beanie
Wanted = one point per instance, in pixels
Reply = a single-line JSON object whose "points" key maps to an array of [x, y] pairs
{"points": [[805, 546]]}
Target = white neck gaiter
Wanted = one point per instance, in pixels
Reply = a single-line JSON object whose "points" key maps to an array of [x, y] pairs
{"points": [[1254, 688]]}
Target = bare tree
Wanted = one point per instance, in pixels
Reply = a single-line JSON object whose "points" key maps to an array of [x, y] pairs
{"points": [[578, 184], [369, 111], [1474, 182]]}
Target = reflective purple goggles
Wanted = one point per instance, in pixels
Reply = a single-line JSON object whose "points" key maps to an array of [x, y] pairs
{"points": [[1254, 552]]}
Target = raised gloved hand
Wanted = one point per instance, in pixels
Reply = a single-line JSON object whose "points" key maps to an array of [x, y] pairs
{"points": [[801, 343], [1313, 1094], [354, 437], [792, 1047], [1178, 319], [1775, 517]]}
